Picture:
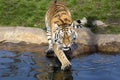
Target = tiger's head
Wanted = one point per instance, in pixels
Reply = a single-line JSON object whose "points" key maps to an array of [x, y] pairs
{"points": [[64, 37]]}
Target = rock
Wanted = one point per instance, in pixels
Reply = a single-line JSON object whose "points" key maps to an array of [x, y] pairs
{"points": [[85, 42], [96, 26], [34, 40], [85, 36], [83, 21], [23, 39], [99, 23], [93, 22], [100, 27], [108, 43], [26, 34], [23, 47]]}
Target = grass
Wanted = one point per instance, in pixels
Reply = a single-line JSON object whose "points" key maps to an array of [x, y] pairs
{"points": [[32, 12], [23, 12], [113, 30]]}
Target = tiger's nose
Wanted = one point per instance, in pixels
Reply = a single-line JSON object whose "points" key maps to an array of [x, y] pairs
{"points": [[66, 45]]}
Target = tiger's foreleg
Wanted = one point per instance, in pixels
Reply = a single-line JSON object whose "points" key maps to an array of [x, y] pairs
{"points": [[65, 63], [49, 51]]}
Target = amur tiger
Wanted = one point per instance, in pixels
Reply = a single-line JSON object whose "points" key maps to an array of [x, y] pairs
{"points": [[60, 31]]}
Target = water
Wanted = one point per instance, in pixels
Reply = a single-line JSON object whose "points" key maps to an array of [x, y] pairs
{"points": [[33, 66], [96, 67]]}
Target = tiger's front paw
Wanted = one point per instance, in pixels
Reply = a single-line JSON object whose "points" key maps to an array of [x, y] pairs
{"points": [[66, 65], [49, 53]]}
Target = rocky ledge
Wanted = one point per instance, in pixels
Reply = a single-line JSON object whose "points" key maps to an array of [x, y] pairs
{"points": [[34, 40]]}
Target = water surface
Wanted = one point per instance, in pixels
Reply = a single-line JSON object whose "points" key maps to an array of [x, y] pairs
{"points": [[33, 66]]}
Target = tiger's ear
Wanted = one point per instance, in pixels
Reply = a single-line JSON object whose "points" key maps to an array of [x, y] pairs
{"points": [[77, 24]]}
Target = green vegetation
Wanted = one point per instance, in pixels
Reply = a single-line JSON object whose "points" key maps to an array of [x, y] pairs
{"points": [[32, 12], [23, 12], [113, 30]]}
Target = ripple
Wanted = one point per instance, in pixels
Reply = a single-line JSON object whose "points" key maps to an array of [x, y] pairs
{"points": [[96, 67], [6, 60], [30, 66], [17, 66], [4, 53]]}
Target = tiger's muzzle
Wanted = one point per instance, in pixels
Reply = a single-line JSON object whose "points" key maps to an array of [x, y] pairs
{"points": [[66, 47]]}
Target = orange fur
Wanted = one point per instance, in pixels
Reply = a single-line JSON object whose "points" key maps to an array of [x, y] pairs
{"points": [[59, 14]]}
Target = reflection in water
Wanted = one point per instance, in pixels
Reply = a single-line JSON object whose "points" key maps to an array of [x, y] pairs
{"points": [[62, 75], [59, 74], [29, 66], [48, 72], [17, 66]]}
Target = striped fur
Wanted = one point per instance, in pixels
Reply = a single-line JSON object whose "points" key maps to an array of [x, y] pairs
{"points": [[62, 57], [60, 30]]}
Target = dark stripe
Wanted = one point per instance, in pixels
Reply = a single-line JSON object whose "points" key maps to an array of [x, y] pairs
{"points": [[55, 35], [48, 35], [56, 40], [59, 10], [60, 5], [49, 39], [61, 19], [55, 1]]}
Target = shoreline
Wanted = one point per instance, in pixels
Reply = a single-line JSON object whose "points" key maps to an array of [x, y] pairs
{"points": [[34, 40]]}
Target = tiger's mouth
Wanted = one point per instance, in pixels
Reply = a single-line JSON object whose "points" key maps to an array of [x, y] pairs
{"points": [[66, 48]]}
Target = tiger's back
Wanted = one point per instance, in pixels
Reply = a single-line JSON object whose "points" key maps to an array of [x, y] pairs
{"points": [[58, 13]]}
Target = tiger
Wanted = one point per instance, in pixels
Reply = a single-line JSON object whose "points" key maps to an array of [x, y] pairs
{"points": [[65, 63], [60, 31]]}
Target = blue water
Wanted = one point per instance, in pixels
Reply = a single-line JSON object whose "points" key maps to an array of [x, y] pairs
{"points": [[17, 66], [31, 66], [96, 67]]}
